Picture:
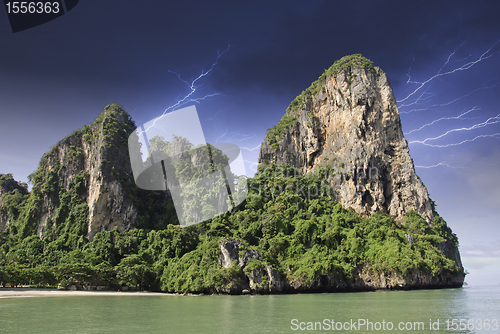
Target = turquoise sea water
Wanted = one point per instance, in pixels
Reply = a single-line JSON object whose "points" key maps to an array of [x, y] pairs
{"points": [[259, 314]]}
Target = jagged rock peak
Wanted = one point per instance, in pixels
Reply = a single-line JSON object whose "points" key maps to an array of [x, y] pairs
{"points": [[93, 163], [84, 184], [347, 123]]}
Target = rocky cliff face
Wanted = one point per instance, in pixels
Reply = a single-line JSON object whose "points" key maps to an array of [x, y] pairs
{"points": [[346, 129], [92, 154], [86, 180], [348, 122], [259, 277]]}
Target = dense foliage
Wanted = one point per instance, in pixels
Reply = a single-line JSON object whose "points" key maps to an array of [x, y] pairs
{"points": [[301, 233], [13, 194], [289, 120]]}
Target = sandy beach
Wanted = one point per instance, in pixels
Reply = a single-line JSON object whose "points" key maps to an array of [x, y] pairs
{"points": [[28, 292]]}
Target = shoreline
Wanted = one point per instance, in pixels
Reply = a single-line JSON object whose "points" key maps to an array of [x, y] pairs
{"points": [[42, 292], [25, 292]]}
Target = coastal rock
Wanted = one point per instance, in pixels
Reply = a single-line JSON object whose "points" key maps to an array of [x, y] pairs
{"points": [[346, 126], [349, 123], [415, 279], [95, 160], [256, 275], [102, 154], [259, 277], [230, 253]]}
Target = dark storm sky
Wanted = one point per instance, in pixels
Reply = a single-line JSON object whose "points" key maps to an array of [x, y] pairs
{"points": [[56, 77]]}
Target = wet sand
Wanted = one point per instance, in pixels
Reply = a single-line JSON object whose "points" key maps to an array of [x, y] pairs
{"points": [[29, 292]]}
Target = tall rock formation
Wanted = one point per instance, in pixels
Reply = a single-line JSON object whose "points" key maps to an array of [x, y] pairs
{"points": [[84, 184], [348, 121], [346, 128]]}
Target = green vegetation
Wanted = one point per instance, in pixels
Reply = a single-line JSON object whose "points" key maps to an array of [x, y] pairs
{"points": [[289, 120], [14, 194], [345, 63], [302, 236], [300, 231], [107, 136], [275, 133]]}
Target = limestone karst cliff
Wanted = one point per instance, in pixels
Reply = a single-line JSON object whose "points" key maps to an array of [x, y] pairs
{"points": [[85, 183], [346, 129], [85, 222], [258, 276], [348, 121]]}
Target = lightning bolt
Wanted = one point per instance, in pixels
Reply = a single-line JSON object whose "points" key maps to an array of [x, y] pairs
{"points": [[192, 85], [487, 54], [234, 136], [422, 96], [450, 102], [190, 97], [444, 119], [438, 165], [494, 135], [223, 135], [489, 121], [216, 114], [421, 99], [252, 149]]}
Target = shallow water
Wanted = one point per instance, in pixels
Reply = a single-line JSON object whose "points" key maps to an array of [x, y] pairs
{"points": [[257, 314]]}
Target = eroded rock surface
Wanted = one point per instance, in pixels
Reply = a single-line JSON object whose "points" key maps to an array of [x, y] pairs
{"points": [[352, 125]]}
